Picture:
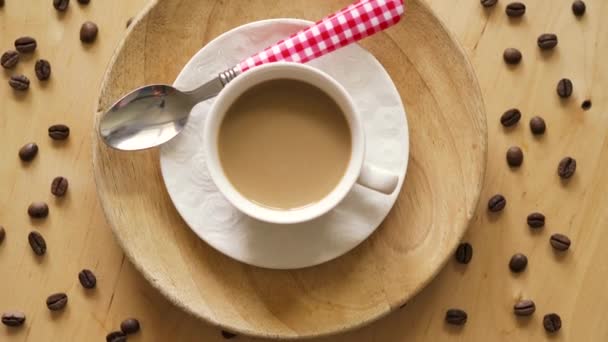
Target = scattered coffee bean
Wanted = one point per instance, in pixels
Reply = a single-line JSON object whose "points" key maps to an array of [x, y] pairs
{"points": [[464, 253], [19, 82], [37, 243], [2, 234], [84, 2], [497, 203], [28, 151], [524, 307], [537, 125], [129, 326], [518, 262], [547, 41], [510, 117], [59, 186], [536, 220], [515, 9], [515, 157], [566, 167], [228, 335], [578, 8], [9, 59], [1, 3], [488, 3], [42, 69], [88, 32], [560, 242], [552, 322], [59, 132], [87, 279], [129, 22], [57, 301], [586, 105], [116, 336], [38, 210], [13, 318], [564, 88], [61, 5], [512, 56], [456, 317], [25, 44]]}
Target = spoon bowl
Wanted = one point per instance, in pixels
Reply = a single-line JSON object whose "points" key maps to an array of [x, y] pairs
{"points": [[146, 117]]}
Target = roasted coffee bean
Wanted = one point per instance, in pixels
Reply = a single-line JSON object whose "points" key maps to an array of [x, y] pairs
{"points": [[19, 82], [13, 318], [586, 105], [2, 234], [564, 88], [129, 22], [547, 41], [552, 322], [84, 2], [59, 132], [524, 307], [515, 9], [28, 151], [566, 167], [61, 5], [43, 69], [456, 317], [537, 125], [57, 301], [87, 279], [59, 186], [25, 44], [536, 220], [560, 242], [464, 253], [88, 32], [37, 243], [116, 336], [497, 203], [9, 59], [130, 326], [512, 56], [488, 3], [228, 335], [578, 8], [515, 157], [38, 210], [1, 3], [518, 262], [510, 117]]}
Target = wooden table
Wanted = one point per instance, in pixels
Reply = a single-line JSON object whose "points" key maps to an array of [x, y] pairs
{"points": [[572, 284]]}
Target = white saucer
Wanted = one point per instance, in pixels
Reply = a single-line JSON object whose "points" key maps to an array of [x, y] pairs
{"points": [[257, 243]]}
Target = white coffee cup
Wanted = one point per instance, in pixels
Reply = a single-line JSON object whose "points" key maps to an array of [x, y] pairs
{"points": [[356, 172]]}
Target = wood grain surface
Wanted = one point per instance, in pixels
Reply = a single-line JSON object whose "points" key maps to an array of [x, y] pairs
{"points": [[447, 131], [572, 284]]}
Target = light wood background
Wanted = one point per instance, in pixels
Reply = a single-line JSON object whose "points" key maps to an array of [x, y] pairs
{"points": [[572, 285]]}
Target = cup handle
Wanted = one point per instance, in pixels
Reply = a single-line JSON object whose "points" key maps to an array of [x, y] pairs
{"points": [[378, 179]]}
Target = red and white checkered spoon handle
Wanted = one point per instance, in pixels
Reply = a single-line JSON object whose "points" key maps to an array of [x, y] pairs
{"points": [[353, 23]]}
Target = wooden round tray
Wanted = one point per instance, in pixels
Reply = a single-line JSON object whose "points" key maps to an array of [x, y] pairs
{"points": [[446, 170]]}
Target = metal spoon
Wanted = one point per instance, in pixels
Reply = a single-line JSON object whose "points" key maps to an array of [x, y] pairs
{"points": [[152, 115]]}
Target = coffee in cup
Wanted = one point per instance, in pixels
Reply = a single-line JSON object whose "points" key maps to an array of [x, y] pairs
{"points": [[284, 144]]}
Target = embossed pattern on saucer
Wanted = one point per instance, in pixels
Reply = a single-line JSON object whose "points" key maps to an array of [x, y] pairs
{"points": [[221, 225]]}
